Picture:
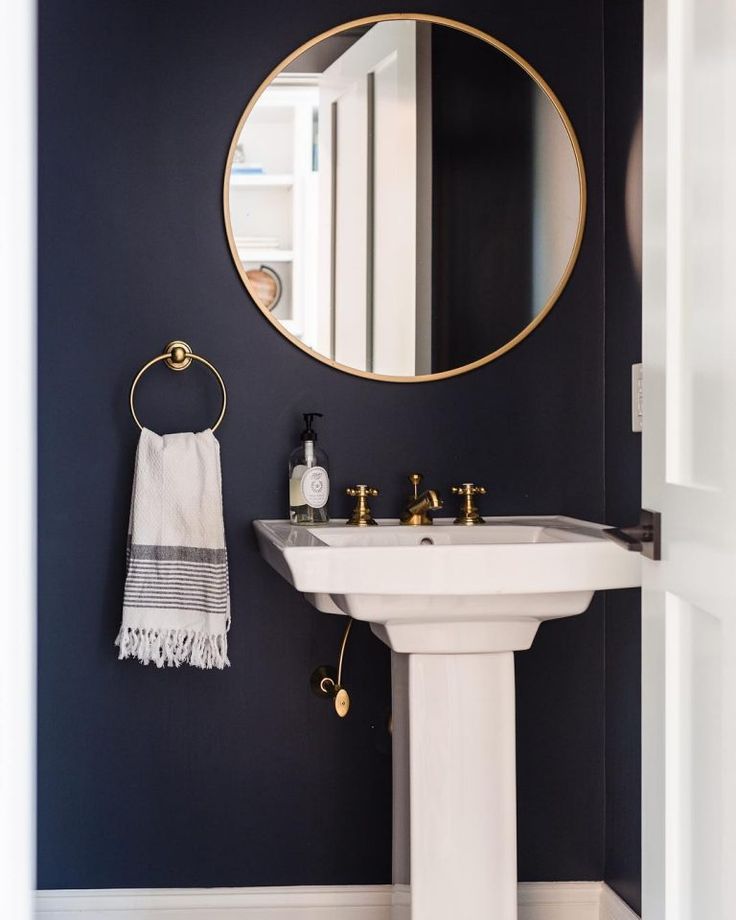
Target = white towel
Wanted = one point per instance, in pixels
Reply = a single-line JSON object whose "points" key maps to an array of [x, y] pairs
{"points": [[176, 607]]}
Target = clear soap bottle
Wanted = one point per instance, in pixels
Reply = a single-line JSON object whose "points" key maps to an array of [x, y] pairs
{"points": [[309, 479]]}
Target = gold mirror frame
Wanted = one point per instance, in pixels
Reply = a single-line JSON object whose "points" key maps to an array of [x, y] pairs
{"points": [[541, 83]]}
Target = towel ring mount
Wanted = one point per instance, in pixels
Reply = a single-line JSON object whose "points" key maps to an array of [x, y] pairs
{"points": [[178, 356]]}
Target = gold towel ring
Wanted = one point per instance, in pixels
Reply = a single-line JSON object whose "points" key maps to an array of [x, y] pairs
{"points": [[178, 356]]}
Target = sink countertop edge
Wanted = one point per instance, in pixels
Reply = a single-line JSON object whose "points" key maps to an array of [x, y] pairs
{"points": [[308, 568]]}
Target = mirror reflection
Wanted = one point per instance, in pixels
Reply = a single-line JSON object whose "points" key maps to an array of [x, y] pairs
{"points": [[404, 198]]}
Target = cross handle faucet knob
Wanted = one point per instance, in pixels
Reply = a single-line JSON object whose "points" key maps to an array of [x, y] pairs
{"points": [[361, 516], [468, 488], [469, 514], [361, 491]]}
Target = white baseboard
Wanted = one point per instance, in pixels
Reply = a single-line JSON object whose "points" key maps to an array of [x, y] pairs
{"points": [[613, 908], [537, 901], [559, 900]]}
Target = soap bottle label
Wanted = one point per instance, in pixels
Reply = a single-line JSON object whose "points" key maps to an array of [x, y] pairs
{"points": [[296, 496], [315, 484]]}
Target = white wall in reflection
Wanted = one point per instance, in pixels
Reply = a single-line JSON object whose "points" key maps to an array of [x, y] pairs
{"points": [[556, 201]]}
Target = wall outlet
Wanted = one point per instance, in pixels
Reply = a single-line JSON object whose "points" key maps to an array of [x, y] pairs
{"points": [[637, 397]]}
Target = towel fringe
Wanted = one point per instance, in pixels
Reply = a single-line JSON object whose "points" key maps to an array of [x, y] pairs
{"points": [[173, 647]]}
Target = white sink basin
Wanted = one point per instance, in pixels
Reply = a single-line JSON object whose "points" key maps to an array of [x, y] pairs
{"points": [[460, 601], [450, 589]]}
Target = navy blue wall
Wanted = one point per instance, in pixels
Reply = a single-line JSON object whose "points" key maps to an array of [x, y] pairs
{"points": [[623, 97], [183, 778]]}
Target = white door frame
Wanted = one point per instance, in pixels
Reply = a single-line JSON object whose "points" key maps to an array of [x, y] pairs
{"points": [[689, 466], [17, 460]]}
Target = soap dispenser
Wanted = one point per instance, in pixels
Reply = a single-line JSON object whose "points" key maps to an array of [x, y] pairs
{"points": [[309, 480]]}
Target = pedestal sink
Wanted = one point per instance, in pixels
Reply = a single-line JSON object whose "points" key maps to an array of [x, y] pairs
{"points": [[453, 603]]}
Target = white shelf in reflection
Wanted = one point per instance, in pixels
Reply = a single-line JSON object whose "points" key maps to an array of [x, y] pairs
{"points": [[293, 327], [261, 180], [266, 255]]}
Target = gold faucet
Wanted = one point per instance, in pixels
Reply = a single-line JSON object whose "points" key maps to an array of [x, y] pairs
{"points": [[416, 511]]}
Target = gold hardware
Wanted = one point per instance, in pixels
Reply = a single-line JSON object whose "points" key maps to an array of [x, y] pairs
{"points": [[178, 351], [469, 514], [361, 516], [322, 679], [178, 356], [327, 683], [416, 511], [544, 87], [342, 702]]}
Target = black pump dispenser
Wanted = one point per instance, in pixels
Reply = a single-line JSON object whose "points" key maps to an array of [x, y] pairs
{"points": [[309, 434]]}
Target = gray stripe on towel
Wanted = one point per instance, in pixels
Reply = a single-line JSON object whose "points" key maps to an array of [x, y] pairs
{"points": [[188, 586], [155, 606], [174, 568], [176, 598], [178, 595], [177, 553], [176, 588], [214, 594]]}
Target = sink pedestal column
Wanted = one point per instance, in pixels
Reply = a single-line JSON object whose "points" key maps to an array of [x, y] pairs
{"points": [[463, 786]]}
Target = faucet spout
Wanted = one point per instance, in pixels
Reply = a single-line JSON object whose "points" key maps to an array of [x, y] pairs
{"points": [[416, 511]]}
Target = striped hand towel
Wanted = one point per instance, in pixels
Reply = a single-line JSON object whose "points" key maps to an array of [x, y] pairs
{"points": [[176, 607]]}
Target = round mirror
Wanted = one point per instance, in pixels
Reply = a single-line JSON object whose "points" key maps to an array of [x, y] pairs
{"points": [[404, 197]]}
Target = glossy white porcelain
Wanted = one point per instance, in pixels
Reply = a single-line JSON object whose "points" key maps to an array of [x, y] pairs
{"points": [[446, 588], [460, 601]]}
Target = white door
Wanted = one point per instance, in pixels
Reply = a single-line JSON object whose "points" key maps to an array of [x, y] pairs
{"points": [[689, 599], [370, 167]]}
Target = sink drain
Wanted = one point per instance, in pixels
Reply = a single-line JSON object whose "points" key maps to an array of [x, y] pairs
{"points": [[426, 541]]}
